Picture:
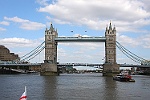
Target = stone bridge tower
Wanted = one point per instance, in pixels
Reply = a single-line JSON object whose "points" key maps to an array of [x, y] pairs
{"points": [[49, 67], [110, 67]]}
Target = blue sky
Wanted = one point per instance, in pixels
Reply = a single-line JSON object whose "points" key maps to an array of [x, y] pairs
{"points": [[23, 22]]}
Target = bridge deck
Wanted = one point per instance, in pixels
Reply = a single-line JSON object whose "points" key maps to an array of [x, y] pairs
{"points": [[73, 64], [29, 64], [80, 39]]}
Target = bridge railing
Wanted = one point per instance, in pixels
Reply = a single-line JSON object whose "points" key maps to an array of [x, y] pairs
{"points": [[133, 65], [19, 64], [81, 39]]}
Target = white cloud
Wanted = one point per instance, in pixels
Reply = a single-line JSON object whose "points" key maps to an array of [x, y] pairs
{"points": [[2, 29], [42, 2], [145, 41], [16, 19], [142, 41], [125, 40], [4, 23], [32, 26], [146, 4], [22, 46], [19, 42], [97, 13], [26, 24]]}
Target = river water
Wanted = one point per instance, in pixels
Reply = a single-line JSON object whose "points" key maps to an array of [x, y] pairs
{"points": [[73, 87]]}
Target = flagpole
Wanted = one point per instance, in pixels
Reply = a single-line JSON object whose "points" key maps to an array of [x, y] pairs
{"points": [[26, 91], [24, 95]]}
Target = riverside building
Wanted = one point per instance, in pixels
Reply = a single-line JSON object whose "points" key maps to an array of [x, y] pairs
{"points": [[5, 54]]}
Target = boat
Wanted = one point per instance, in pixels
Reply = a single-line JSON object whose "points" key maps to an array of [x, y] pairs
{"points": [[32, 72], [9, 71], [12, 71], [123, 77], [19, 71]]}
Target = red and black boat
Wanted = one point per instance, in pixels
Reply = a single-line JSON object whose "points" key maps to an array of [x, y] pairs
{"points": [[123, 77]]}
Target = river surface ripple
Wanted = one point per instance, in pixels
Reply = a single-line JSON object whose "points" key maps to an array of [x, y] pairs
{"points": [[73, 87]]}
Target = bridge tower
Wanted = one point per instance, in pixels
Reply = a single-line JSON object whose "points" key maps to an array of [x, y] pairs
{"points": [[49, 67], [110, 66]]}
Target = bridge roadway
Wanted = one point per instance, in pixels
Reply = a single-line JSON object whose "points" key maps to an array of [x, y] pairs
{"points": [[18, 64], [78, 64], [101, 65], [131, 65], [71, 64], [80, 39]]}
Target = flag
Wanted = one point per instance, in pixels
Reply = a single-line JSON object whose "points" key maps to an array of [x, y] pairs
{"points": [[24, 95]]}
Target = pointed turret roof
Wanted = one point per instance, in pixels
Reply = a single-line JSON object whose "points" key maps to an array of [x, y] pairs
{"points": [[110, 27], [114, 28], [51, 27], [106, 27]]}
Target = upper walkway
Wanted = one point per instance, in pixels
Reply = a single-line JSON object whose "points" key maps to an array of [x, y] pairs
{"points": [[80, 39]]}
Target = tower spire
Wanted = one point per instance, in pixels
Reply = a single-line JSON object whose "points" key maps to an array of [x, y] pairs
{"points": [[114, 28], [51, 27], [106, 27], [110, 27]]}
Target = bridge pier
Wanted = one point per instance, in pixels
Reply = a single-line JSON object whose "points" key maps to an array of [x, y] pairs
{"points": [[49, 69], [110, 69]]}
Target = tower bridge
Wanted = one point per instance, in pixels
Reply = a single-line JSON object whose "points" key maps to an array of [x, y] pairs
{"points": [[49, 67]]}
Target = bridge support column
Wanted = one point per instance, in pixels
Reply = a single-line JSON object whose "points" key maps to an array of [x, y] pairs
{"points": [[49, 67], [110, 67]]}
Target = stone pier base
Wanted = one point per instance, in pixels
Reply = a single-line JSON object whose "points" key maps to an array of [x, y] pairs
{"points": [[48, 69], [110, 69], [49, 73]]}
